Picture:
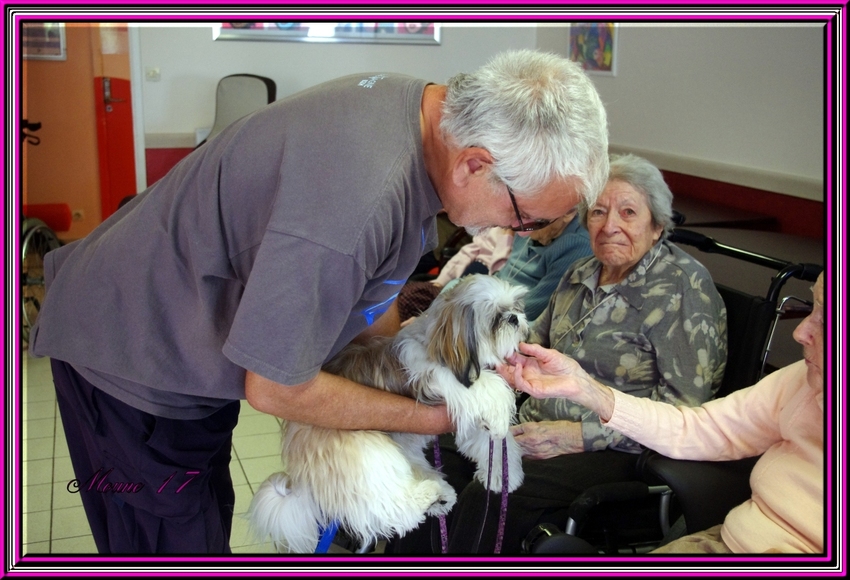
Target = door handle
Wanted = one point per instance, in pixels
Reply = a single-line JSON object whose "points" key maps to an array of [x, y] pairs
{"points": [[107, 92]]}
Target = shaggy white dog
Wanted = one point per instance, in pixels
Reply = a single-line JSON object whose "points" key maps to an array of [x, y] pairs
{"points": [[376, 484]]}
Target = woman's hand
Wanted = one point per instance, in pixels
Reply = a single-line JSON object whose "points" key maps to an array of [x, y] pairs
{"points": [[543, 373], [546, 439]]}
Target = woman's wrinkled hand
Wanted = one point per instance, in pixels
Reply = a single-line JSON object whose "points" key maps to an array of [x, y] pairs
{"points": [[543, 372], [545, 439]]}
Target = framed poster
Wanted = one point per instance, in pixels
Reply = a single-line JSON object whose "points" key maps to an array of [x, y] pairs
{"points": [[369, 32], [594, 46], [44, 41]]}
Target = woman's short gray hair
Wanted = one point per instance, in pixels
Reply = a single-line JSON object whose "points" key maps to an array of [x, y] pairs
{"points": [[538, 115], [648, 180]]}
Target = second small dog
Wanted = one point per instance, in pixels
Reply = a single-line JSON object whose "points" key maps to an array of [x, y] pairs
{"points": [[377, 484]]}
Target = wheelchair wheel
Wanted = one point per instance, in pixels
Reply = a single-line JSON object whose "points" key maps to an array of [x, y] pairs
{"points": [[38, 239]]}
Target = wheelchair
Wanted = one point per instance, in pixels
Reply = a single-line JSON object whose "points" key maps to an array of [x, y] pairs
{"points": [[670, 498], [37, 238]]}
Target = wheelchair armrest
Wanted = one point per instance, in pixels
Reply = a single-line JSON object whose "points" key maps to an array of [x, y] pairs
{"points": [[706, 490], [581, 506]]}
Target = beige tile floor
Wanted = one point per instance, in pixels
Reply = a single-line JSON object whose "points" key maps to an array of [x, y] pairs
{"points": [[54, 521]]}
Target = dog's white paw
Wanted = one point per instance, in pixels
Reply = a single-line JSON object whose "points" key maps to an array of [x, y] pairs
{"points": [[515, 473], [491, 405], [495, 483], [426, 494], [496, 427], [445, 502], [496, 420]]}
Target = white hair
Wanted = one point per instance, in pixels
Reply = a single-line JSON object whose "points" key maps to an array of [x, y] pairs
{"points": [[538, 115], [648, 180]]}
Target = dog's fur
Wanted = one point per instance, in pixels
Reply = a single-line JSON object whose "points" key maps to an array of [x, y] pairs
{"points": [[377, 484]]}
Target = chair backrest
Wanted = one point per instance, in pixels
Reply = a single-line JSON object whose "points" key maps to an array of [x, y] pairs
{"points": [[748, 323], [238, 95]]}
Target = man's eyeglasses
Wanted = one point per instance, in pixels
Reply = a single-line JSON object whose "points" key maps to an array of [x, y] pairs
{"points": [[525, 227]]}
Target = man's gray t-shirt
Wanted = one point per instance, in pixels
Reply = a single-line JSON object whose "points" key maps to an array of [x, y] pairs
{"points": [[269, 249]]}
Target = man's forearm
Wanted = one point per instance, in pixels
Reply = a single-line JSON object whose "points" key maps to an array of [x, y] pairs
{"points": [[335, 402]]}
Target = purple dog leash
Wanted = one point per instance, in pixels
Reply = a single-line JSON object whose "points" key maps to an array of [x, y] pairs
{"points": [[444, 534], [503, 511]]}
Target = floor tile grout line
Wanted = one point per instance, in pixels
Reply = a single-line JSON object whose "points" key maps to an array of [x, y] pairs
{"points": [[53, 474]]}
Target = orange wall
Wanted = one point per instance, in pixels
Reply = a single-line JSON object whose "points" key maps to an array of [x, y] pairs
{"points": [[64, 167]]}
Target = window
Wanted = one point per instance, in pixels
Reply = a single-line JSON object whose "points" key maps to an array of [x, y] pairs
{"points": [[43, 41]]}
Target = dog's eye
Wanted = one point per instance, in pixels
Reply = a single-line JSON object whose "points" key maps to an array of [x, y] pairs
{"points": [[513, 320]]}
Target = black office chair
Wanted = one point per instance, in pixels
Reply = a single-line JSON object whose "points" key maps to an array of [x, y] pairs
{"points": [[636, 516], [238, 95]]}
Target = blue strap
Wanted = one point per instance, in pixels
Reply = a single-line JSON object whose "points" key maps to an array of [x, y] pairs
{"points": [[326, 537]]}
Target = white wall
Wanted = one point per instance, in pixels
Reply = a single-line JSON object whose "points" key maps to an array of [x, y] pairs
{"points": [[729, 96], [191, 64], [737, 103]]}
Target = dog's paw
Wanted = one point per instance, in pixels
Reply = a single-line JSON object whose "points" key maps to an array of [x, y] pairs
{"points": [[426, 494], [515, 472], [443, 505], [445, 502], [496, 479], [495, 483], [490, 406], [496, 424]]}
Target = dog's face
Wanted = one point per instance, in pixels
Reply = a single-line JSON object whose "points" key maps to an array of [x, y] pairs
{"points": [[475, 325]]}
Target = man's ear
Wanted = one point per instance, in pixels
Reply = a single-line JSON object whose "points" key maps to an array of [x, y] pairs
{"points": [[471, 162]]}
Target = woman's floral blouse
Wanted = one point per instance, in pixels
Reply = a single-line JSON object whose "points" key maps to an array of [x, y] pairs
{"points": [[660, 333]]}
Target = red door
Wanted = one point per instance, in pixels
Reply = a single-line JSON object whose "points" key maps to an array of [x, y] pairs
{"points": [[114, 114]]}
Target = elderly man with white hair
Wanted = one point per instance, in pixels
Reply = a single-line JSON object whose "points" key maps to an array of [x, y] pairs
{"points": [[268, 249]]}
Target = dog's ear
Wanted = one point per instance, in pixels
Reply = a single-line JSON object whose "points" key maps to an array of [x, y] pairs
{"points": [[453, 342], [473, 367]]}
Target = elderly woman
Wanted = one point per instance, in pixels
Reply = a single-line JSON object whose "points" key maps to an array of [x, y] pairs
{"points": [[779, 418], [640, 316]]}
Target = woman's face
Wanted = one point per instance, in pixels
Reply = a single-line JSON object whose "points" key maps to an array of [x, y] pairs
{"points": [[620, 227], [809, 333]]}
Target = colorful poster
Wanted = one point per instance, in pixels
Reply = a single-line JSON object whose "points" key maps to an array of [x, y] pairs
{"points": [[593, 45]]}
